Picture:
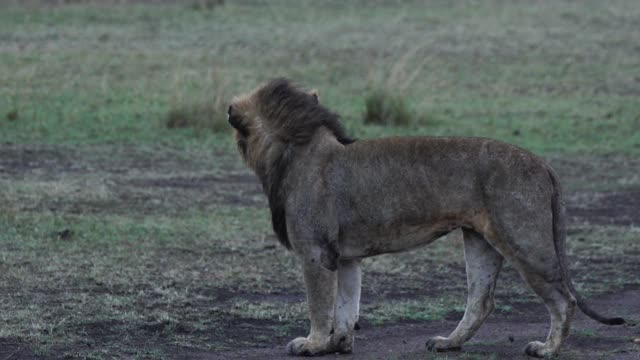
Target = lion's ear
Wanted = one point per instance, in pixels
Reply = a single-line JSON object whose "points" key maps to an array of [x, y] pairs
{"points": [[314, 93]]}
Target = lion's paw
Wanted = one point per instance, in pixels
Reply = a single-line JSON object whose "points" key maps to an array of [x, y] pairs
{"points": [[304, 347], [440, 343], [342, 343], [538, 349]]}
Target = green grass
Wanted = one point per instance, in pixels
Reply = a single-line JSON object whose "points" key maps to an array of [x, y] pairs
{"points": [[122, 275], [281, 312], [418, 310], [384, 108], [551, 77]]}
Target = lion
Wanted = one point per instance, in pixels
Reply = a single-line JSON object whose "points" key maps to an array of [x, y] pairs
{"points": [[335, 201]]}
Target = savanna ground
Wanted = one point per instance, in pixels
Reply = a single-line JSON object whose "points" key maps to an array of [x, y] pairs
{"points": [[130, 229]]}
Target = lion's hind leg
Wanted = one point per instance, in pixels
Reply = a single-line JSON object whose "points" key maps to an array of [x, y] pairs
{"points": [[483, 266], [524, 235], [560, 303]]}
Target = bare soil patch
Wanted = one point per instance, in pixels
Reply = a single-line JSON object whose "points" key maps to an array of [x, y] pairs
{"points": [[502, 336], [15, 349], [608, 208]]}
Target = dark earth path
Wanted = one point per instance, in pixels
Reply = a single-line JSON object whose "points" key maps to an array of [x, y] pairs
{"points": [[502, 336]]}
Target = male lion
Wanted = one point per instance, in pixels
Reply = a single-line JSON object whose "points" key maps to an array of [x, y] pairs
{"points": [[335, 201]]}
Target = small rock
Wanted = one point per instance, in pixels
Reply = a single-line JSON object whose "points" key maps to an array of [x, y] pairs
{"points": [[12, 115], [65, 234]]}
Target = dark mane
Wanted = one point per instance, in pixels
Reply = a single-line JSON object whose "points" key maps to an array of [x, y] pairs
{"points": [[295, 116], [271, 180]]}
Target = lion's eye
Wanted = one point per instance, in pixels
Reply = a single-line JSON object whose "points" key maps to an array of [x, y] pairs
{"points": [[236, 121], [243, 130]]}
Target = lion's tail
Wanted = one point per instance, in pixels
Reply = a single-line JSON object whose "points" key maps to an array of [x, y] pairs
{"points": [[559, 234]]}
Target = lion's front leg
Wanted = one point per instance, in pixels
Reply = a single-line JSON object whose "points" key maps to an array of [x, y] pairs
{"points": [[320, 284], [347, 305]]}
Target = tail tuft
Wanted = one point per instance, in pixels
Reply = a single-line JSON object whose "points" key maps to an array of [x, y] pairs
{"points": [[594, 315], [616, 321]]}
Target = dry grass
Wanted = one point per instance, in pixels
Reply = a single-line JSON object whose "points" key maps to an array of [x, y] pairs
{"points": [[386, 102], [12, 115], [207, 112], [385, 108], [199, 116]]}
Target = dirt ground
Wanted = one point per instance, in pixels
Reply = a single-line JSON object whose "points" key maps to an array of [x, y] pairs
{"points": [[147, 181], [502, 336]]}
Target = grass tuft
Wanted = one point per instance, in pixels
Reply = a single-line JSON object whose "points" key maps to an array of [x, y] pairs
{"points": [[198, 116], [12, 115], [385, 103], [207, 111], [385, 108]]}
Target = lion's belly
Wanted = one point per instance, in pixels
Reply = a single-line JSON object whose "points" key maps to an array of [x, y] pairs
{"points": [[376, 244], [363, 240]]}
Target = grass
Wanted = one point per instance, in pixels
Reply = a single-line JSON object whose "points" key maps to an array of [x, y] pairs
{"points": [[131, 229], [207, 112], [388, 91], [416, 310], [384, 108], [585, 332], [548, 77], [115, 275], [281, 312]]}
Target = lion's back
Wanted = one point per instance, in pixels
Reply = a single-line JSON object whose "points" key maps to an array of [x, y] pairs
{"points": [[438, 160], [418, 175]]}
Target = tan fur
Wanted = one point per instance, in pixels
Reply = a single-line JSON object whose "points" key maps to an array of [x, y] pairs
{"points": [[246, 107], [335, 202]]}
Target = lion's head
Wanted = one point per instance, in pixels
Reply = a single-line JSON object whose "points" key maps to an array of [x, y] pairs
{"points": [[276, 115]]}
